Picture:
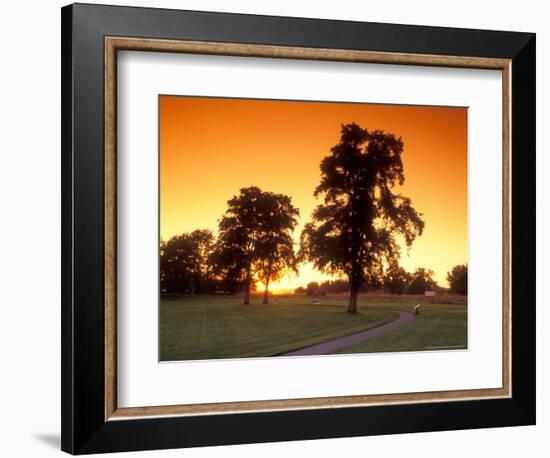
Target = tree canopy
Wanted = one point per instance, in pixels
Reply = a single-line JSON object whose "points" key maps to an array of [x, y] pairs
{"points": [[421, 281], [458, 279], [255, 238], [397, 280], [355, 230], [184, 262]]}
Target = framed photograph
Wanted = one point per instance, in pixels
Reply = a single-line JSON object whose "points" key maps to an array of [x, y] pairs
{"points": [[281, 228]]}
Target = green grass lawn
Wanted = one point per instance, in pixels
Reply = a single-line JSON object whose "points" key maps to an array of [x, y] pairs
{"points": [[208, 327], [438, 327]]}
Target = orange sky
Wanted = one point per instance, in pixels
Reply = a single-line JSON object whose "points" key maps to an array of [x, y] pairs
{"points": [[212, 147]]}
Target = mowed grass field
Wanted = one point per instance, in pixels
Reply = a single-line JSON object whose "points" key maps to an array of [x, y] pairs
{"points": [[211, 327], [438, 327]]}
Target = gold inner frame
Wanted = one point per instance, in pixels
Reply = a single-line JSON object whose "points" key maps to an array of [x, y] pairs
{"points": [[112, 45]]}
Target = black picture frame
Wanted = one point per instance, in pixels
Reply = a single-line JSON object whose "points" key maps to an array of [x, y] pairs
{"points": [[84, 428]]}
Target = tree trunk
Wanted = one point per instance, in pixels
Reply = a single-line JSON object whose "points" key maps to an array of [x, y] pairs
{"points": [[266, 292], [352, 306], [247, 287], [354, 283]]}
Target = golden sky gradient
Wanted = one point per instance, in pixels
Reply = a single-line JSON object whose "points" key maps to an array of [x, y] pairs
{"points": [[212, 147]]}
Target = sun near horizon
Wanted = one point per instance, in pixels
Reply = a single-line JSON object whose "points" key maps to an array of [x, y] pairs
{"points": [[212, 147]]}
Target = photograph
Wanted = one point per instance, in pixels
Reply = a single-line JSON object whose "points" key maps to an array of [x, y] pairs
{"points": [[302, 228]]}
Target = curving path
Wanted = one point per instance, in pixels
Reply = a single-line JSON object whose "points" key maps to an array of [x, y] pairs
{"points": [[342, 342]]}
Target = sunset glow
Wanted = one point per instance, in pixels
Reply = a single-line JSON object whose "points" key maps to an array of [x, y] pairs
{"points": [[212, 147]]}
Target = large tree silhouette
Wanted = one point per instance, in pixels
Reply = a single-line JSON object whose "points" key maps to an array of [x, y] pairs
{"points": [[355, 230], [255, 237], [184, 262]]}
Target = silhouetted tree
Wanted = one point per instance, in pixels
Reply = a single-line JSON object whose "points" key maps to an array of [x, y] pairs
{"points": [[396, 280], [458, 279], [312, 288], [184, 266], [275, 245], [228, 265], [255, 238], [300, 290], [354, 231], [421, 281]]}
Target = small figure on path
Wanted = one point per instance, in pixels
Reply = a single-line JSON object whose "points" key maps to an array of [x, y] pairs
{"points": [[417, 309]]}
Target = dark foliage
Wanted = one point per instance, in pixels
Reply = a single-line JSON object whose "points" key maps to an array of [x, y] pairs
{"points": [[354, 231], [255, 239], [397, 280], [421, 281], [458, 279], [324, 288], [184, 263]]}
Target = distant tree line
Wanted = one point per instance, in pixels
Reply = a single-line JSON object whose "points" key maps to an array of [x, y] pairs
{"points": [[185, 263], [396, 281], [399, 281], [254, 243]]}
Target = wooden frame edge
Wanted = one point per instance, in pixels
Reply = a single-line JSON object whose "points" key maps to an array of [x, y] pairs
{"points": [[291, 52], [507, 227], [130, 413], [110, 230], [111, 46]]}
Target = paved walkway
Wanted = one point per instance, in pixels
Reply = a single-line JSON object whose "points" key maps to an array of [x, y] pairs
{"points": [[342, 342]]}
